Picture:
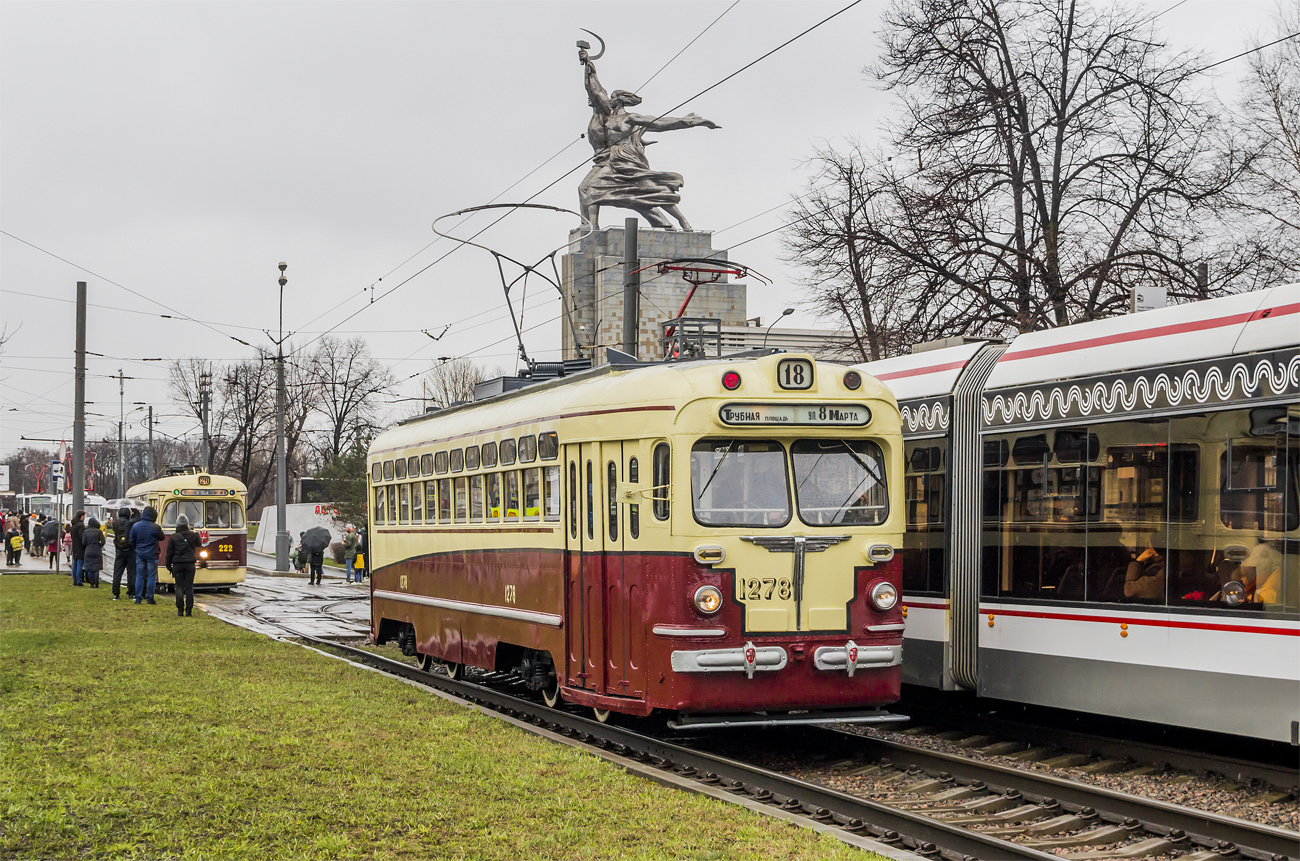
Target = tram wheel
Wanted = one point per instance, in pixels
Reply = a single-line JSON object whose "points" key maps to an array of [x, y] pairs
{"points": [[454, 671], [424, 662], [601, 716], [551, 693]]}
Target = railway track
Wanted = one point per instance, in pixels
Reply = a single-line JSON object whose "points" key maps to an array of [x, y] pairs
{"points": [[931, 805]]}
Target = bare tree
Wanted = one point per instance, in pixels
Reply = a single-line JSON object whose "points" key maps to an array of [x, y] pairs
{"points": [[1049, 157], [453, 381], [346, 383]]}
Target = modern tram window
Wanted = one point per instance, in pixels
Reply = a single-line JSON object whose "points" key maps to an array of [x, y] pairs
{"points": [[1258, 486], [591, 503], [376, 472], [380, 506], [462, 500], [551, 492], [512, 495], [399, 468], [431, 501], [471, 457], [412, 466], [738, 482], [440, 466], [489, 454], [507, 452], [527, 449], [493, 495], [417, 502], [548, 445], [388, 470], [840, 481], [532, 494], [403, 503], [633, 511], [444, 500], [476, 498], [612, 494], [457, 460], [573, 499], [659, 493], [426, 464], [925, 543]]}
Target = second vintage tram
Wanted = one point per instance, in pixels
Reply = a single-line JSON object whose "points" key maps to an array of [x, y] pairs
{"points": [[214, 506], [715, 539]]}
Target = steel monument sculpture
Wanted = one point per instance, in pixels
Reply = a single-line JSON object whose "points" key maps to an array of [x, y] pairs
{"points": [[620, 174]]}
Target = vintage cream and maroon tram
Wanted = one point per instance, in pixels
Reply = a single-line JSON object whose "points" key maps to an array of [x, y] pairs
{"points": [[214, 506], [712, 538], [1105, 517]]}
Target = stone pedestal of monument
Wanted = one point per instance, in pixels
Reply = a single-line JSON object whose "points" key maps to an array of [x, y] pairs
{"points": [[592, 275]]}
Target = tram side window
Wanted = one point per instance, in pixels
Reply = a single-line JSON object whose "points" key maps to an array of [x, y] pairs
{"points": [[440, 463], [1257, 486], [591, 503], [548, 445], [471, 457], [476, 498], [633, 511], [659, 494], [431, 501], [507, 452], [532, 495], [388, 470], [403, 503], [493, 495], [392, 504], [612, 494], [462, 500], [417, 502], [488, 452], [457, 460], [444, 500], [399, 469], [551, 492], [426, 464], [376, 472], [527, 449], [512, 495], [413, 466], [381, 508], [925, 542]]}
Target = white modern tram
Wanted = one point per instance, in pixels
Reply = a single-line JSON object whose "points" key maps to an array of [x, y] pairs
{"points": [[1135, 548]]}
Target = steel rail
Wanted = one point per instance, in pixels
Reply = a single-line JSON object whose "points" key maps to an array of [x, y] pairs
{"points": [[1253, 840], [828, 806], [1147, 753]]}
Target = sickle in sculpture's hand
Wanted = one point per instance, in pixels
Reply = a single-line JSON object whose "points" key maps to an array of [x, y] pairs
{"points": [[598, 39]]}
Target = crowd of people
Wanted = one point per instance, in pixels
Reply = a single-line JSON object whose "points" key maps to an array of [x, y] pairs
{"points": [[137, 539]]}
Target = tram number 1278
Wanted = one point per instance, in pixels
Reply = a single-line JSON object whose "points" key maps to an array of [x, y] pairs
{"points": [[756, 589]]}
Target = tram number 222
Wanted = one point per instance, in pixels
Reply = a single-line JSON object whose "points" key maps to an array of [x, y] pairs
{"points": [[762, 589]]}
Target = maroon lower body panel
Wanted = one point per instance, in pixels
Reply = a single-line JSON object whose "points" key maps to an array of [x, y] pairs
{"points": [[480, 608]]}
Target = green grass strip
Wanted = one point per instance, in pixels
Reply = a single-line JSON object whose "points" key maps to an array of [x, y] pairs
{"points": [[126, 732]]}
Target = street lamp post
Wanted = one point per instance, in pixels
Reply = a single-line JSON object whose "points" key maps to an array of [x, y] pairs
{"points": [[786, 313], [282, 535]]}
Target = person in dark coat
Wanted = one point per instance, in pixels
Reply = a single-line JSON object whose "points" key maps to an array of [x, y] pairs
{"points": [[145, 536], [92, 552], [363, 550], [123, 555], [317, 561], [78, 552], [26, 526], [182, 554]]}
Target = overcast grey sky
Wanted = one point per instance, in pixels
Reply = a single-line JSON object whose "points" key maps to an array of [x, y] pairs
{"points": [[182, 149]]}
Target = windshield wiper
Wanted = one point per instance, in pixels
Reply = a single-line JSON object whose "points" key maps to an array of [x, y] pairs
{"points": [[715, 470]]}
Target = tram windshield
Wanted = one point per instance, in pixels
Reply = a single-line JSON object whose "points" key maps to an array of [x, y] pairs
{"points": [[213, 514], [739, 483], [840, 481]]}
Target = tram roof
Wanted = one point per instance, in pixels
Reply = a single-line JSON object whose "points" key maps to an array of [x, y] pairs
{"points": [[189, 479], [1242, 323], [606, 388]]}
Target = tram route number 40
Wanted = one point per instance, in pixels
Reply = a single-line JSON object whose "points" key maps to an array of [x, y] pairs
{"points": [[762, 589]]}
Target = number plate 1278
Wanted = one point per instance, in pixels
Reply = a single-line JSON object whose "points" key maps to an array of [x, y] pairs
{"points": [[763, 588]]}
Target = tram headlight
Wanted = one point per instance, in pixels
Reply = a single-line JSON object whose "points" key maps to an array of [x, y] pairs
{"points": [[884, 596], [708, 600]]}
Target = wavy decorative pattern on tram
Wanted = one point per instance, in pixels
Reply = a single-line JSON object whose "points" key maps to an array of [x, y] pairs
{"points": [[931, 416], [1211, 383]]}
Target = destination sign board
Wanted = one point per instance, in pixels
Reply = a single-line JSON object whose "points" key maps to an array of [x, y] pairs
{"points": [[850, 415], [202, 491]]}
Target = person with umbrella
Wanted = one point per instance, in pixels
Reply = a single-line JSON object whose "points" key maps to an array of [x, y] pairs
{"points": [[314, 541]]}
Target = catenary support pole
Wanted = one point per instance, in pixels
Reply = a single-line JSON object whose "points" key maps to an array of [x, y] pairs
{"points": [[79, 407], [121, 438], [153, 470], [281, 488], [631, 288]]}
